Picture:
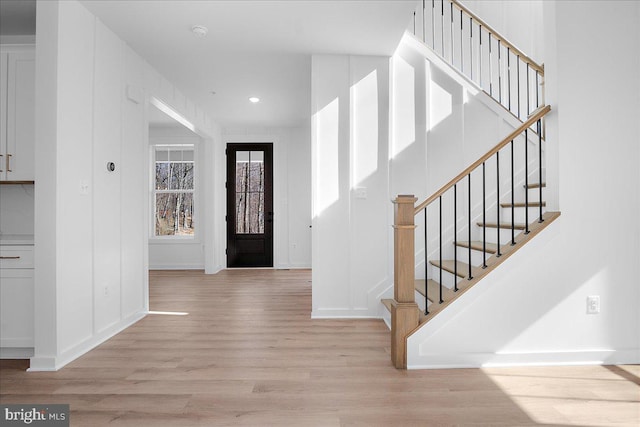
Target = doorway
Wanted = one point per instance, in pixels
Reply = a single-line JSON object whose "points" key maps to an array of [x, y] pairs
{"points": [[249, 205]]}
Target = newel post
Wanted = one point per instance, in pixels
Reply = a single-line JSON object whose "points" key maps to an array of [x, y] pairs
{"points": [[404, 310]]}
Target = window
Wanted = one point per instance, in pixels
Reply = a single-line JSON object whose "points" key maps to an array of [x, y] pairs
{"points": [[250, 192], [173, 193]]}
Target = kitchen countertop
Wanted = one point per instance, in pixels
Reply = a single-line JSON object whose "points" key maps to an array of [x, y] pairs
{"points": [[16, 239]]}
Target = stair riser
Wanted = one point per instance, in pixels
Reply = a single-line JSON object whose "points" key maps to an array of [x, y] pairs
{"points": [[447, 278], [476, 256], [534, 195], [505, 235], [419, 300], [519, 214]]}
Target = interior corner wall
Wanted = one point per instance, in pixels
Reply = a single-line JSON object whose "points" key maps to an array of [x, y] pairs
{"points": [[91, 224], [533, 308], [350, 184]]}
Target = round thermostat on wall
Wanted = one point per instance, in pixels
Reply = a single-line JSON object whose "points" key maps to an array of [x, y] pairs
{"points": [[111, 166]]}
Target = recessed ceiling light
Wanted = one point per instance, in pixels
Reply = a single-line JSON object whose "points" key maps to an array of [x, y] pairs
{"points": [[199, 30], [254, 99]]}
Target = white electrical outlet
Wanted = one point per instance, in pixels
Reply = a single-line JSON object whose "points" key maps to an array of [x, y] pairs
{"points": [[593, 304], [106, 291]]}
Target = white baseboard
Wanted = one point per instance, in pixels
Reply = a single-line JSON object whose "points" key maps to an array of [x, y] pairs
{"points": [[176, 267], [53, 363], [558, 358]]}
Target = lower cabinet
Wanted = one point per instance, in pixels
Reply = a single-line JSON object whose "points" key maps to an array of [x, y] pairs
{"points": [[16, 301]]}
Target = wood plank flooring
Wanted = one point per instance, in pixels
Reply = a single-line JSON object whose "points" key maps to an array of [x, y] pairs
{"points": [[248, 354]]}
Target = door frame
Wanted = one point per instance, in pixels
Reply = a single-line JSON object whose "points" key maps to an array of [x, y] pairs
{"points": [[230, 198]]}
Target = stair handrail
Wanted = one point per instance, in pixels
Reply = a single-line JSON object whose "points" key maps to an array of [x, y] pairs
{"points": [[534, 65], [533, 118]]}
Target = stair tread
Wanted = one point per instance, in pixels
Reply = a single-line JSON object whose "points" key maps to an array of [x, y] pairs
{"points": [[517, 226], [433, 288], [492, 248], [535, 185], [448, 265], [387, 303], [522, 204]]}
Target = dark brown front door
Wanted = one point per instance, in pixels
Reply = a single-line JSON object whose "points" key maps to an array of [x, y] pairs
{"points": [[249, 205]]}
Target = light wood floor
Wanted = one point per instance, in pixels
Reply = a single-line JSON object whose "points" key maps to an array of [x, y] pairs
{"points": [[248, 354]]}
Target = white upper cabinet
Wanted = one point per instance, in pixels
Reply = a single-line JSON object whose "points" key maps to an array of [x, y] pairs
{"points": [[18, 114]]}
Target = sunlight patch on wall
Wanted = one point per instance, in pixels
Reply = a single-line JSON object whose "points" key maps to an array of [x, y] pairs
{"points": [[327, 158], [364, 95], [404, 106], [440, 105]]}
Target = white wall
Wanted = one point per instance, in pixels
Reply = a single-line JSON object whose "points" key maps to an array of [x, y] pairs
{"points": [[91, 225], [291, 187], [187, 253], [351, 205], [532, 309]]}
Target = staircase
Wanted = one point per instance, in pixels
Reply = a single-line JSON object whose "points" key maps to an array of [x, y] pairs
{"points": [[493, 207]]}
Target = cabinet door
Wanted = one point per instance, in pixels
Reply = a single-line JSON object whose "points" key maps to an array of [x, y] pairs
{"points": [[20, 116], [3, 115], [16, 308]]}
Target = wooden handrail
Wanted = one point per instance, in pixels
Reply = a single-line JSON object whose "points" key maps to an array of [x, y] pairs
{"points": [[534, 65], [533, 117]]}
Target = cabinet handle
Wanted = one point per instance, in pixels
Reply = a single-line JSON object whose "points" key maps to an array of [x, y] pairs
{"points": [[9, 257], [8, 160], [1, 155]]}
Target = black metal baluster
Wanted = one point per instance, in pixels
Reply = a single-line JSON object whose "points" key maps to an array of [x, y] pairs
{"points": [[471, 46], [455, 237], [537, 90], [442, 27], [451, 31], [499, 72], [513, 210], [414, 22], [509, 75], [484, 219], [498, 254], [461, 44], [426, 263], [440, 250], [480, 56], [528, 92], [518, 69], [490, 69], [469, 224], [526, 181], [539, 129]]}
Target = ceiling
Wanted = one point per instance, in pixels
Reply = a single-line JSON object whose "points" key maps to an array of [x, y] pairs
{"points": [[257, 48]]}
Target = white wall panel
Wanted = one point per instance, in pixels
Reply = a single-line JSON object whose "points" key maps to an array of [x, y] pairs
{"points": [[107, 133], [75, 169]]}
